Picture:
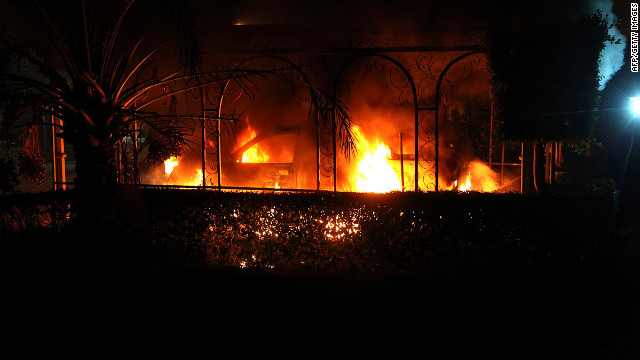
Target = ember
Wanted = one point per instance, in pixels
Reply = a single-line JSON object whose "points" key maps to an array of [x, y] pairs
{"points": [[339, 226]]}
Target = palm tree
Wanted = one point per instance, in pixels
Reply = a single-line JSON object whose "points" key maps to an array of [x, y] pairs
{"points": [[101, 69]]}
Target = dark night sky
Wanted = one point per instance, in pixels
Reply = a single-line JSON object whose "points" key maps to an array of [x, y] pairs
{"points": [[406, 15], [394, 15], [396, 12]]}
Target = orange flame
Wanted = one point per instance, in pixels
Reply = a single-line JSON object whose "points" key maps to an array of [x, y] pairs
{"points": [[374, 171], [254, 154], [170, 166], [467, 185], [198, 178], [479, 178]]}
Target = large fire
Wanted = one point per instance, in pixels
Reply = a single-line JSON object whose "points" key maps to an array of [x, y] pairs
{"points": [[479, 178], [467, 185], [374, 172], [170, 166], [254, 154]]}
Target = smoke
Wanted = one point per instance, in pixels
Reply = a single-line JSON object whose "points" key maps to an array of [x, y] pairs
{"points": [[612, 56]]}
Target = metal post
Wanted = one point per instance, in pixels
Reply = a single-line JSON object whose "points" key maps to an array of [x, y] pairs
{"points": [[416, 155], [220, 99], [401, 163], [120, 173], [335, 158], [547, 162], [58, 157], [136, 169], [219, 153], [437, 100], [204, 152], [522, 169], [502, 170], [560, 156], [204, 147], [536, 184], [54, 173], [491, 130], [135, 136], [437, 132], [318, 151], [552, 170]]}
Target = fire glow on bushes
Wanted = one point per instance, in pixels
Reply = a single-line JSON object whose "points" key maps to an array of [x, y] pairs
{"points": [[339, 226]]}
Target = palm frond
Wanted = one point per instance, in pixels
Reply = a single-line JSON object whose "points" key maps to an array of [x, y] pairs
{"points": [[112, 36], [181, 22], [85, 31], [20, 53], [57, 40], [125, 77], [94, 84]]}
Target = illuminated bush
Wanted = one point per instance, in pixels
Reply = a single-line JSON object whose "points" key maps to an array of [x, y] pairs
{"points": [[445, 233]]}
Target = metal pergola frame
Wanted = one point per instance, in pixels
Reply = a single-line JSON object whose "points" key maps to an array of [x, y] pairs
{"points": [[214, 113]]}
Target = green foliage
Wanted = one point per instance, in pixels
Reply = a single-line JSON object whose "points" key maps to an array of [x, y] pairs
{"points": [[473, 124], [544, 77], [162, 147], [90, 72]]}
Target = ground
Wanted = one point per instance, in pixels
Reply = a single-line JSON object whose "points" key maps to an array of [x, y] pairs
{"points": [[581, 317], [67, 303]]}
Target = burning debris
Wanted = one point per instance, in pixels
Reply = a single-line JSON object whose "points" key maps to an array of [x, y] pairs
{"points": [[275, 145], [170, 164], [181, 178], [373, 172], [479, 178], [374, 169], [254, 154]]}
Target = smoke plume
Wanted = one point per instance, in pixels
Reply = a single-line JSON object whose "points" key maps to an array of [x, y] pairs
{"points": [[612, 56]]}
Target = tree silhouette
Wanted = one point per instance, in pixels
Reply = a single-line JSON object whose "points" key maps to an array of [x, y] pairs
{"points": [[544, 77], [545, 80]]}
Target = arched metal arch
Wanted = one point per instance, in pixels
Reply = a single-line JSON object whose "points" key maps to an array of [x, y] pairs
{"points": [[413, 91], [437, 104], [314, 101], [417, 109]]}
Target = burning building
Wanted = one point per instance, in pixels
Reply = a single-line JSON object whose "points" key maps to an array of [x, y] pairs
{"points": [[395, 85], [410, 78], [403, 83]]}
